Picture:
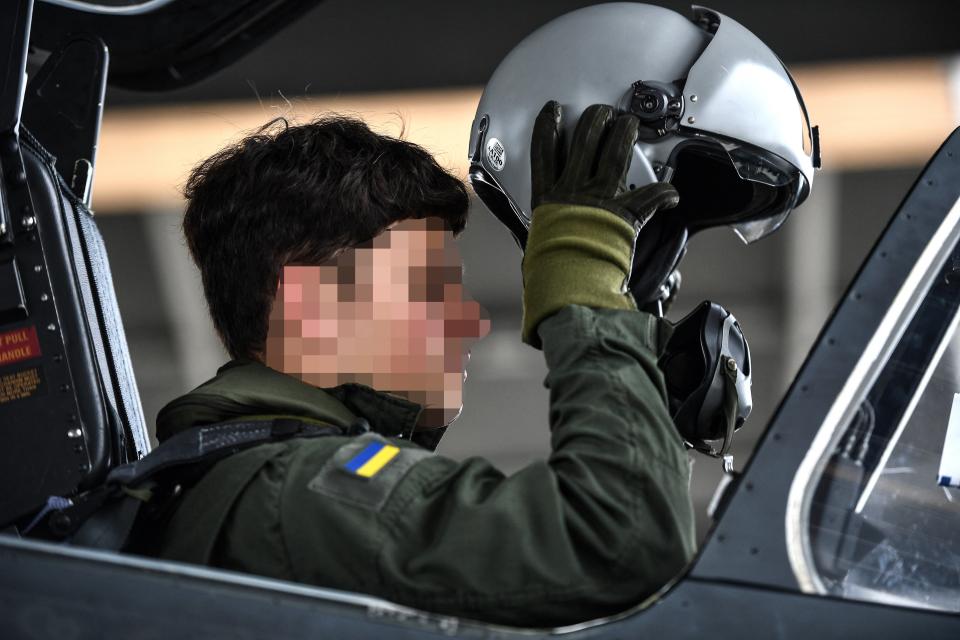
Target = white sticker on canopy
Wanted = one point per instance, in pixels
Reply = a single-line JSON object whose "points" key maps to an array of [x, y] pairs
{"points": [[949, 475]]}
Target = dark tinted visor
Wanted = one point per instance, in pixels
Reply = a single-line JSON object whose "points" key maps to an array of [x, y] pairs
{"points": [[726, 183]]}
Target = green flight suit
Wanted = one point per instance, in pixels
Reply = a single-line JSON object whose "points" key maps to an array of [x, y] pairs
{"points": [[598, 526]]}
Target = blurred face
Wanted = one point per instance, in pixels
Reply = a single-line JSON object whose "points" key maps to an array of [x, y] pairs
{"points": [[392, 315]]}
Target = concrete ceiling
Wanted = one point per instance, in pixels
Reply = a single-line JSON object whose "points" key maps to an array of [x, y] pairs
{"points": [[377, 45]]}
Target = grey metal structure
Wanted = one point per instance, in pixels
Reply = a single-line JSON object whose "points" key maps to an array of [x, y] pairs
{"points": [[79, 413]]}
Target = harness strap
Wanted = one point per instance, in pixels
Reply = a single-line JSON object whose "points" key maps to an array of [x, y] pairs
{"points": [[212, 442], [104, 516]]}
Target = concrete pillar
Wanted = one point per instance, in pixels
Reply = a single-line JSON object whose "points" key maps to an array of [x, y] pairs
{"points": [[811, 270], [197, 349]]}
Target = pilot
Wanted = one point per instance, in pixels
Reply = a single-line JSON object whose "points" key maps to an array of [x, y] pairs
{"points": [[329, 266]]}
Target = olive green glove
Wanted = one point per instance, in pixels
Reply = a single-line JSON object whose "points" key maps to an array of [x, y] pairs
{"points": [[585, 221]]}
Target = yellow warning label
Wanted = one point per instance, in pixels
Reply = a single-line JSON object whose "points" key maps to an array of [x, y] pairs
{"points": [[19, 385]]}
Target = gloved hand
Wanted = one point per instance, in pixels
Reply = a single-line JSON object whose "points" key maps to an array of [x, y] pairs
{"points": [[585, 221]]}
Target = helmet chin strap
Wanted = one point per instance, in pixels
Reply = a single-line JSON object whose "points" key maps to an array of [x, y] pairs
{"points": [[660, 247]]}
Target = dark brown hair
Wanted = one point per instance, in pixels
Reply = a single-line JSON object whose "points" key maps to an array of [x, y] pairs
{"points": [[299, 194]]}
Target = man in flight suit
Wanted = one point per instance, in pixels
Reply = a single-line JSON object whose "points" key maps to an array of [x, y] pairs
{"points": [[327, 262]]}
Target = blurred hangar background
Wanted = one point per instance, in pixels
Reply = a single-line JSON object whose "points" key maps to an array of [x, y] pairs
{"points": [[880, 78]]}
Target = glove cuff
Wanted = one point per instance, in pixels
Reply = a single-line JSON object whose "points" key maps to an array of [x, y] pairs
{"points": [[575, 255]]}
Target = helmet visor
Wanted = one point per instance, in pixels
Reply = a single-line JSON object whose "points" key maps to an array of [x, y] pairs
{"points": [[728, 183], [757, 165], [752, 230], [767, 169]]}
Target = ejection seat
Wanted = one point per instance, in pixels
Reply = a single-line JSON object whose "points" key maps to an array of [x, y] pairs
{"points": [[69, 405]]}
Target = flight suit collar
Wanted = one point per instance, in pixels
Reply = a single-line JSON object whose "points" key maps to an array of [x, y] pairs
{"points": [[387, 414], [244, 388]]}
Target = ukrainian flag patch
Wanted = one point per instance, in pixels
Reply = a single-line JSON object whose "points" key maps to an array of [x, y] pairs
{"points": [[365, 470], [371, 459]]}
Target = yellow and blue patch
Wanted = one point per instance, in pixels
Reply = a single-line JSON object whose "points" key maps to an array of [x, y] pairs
{"points": [[371, 459], [365, 470]]}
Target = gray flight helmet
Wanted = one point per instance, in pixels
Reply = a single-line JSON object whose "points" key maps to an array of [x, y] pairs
{"points": [[722, 119]]}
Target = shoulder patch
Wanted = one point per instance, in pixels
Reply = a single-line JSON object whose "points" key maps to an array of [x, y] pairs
{"points": [[371, 459], [365, 471]]}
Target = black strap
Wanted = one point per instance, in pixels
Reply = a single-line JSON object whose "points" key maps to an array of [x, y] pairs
{"points": [[110, 525], [104, 516], [209, 443], [727, 417]]}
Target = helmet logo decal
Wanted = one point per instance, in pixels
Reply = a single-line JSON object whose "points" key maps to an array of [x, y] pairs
{"points": [[496, 154]]}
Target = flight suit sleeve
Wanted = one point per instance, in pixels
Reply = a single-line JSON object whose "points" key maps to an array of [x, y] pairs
{"points": [[599, 526]]}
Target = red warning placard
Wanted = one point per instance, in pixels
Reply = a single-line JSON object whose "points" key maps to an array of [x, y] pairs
{"points": [[19, 344]]}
